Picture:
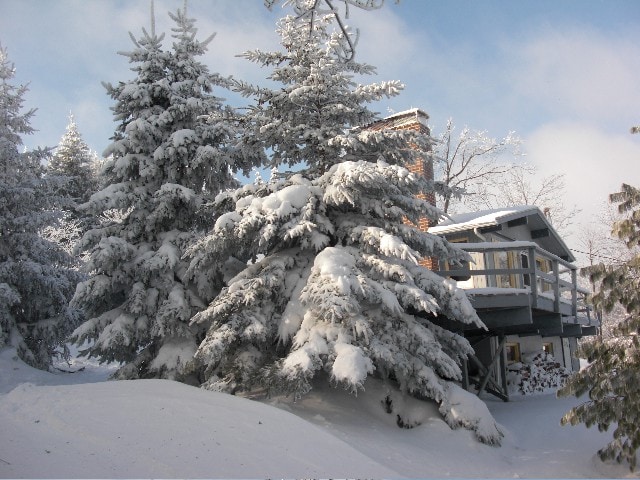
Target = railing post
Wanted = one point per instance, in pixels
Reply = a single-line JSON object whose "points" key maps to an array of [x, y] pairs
{"points": [[533, 281], [556, 286], [574, 295]]}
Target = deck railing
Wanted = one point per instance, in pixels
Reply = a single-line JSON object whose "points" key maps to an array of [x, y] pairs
{"points": [[521, 265]]}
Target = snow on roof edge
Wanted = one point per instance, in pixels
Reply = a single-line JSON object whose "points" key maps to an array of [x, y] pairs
{"points": [[483, 218], [487, 218], [417, 111]]}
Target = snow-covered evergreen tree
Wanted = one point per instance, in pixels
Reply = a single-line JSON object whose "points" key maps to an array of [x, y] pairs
{"points": [[36, 282], [327, 276], [171, 151], [75, 165], [611, 378], [74, 159]]}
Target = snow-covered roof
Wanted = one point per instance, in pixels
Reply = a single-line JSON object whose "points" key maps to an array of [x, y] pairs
{"points": [[482, 218], [489, 218]]}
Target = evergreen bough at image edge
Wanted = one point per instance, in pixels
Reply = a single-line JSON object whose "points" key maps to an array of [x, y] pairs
{"points": [[170, 153], [37, 278], [325, 275], [611, 378]]}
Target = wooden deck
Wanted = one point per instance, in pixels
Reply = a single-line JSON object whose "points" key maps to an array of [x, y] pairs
{"points": [[532, 292]]}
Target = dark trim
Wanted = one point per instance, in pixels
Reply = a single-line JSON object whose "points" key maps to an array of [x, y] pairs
{"points": [[493, 228], [541, 233], [517, 222], [588, 330], [571, 330]]}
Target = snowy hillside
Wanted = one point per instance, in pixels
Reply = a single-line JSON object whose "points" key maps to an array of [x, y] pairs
{"points": [[77, 425]]}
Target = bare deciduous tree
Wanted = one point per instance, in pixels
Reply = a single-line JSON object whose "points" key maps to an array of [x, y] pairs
{"points": [[469, 160], [522, 186], [599, 246]]}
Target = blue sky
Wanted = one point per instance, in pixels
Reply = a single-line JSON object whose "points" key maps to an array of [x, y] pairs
{"points": [[564, 75]]}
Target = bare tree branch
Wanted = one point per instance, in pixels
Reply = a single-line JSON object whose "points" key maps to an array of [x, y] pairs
{"points": [[466, 161], [308, 10]]}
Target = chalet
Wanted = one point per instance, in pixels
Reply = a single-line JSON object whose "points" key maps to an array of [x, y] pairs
{"points": [[521, 281], [523, 285]]}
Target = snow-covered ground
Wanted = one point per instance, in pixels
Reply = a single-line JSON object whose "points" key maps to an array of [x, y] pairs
{"points": [[78, 425]]}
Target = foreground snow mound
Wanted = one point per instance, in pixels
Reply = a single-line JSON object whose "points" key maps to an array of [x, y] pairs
{"points": [[158, 428], [154, 428]]}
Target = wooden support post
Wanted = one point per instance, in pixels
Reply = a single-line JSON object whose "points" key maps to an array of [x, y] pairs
{"points": [[495, 390], [465, 374], [503, 369], [556, 286], [533, 281], [483, 383], [574, 295]]}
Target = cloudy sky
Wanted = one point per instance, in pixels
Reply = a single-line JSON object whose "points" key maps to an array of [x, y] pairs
{"points": [[564, 75]]}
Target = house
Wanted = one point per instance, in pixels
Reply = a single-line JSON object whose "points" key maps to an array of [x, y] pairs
{"points": [[522, 281], [523, 285]]}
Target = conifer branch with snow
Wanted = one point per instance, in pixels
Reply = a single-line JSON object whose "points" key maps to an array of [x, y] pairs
{"points": [[173, 151], [325, 273], [611, 378], [37, 277]]}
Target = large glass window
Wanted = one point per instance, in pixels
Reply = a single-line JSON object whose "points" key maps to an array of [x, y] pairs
{"points": [[504, 261]]}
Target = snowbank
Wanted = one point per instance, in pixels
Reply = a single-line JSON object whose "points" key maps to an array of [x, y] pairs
{"points": [[56, 426], [159, 428]]}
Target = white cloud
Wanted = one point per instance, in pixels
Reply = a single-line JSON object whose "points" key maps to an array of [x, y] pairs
{"points": [[580, 72], [595, 163]]}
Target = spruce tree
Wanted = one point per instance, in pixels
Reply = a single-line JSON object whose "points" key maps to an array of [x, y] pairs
{"points": [[170, 153], [75, 167], [325, 274], [36, 281], [611, 378], [74, 159]]}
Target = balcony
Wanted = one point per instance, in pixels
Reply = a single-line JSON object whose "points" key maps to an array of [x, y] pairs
{"points": [[518, 288]]}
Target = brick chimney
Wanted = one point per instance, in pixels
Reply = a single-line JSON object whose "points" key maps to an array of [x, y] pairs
{"points": [[414, 119]]}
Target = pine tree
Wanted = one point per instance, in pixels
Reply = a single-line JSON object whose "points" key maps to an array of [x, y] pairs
{"points": [[325, 274], [170, 153], [75, 167], [36, 281], [611, 378], [74, 159]]}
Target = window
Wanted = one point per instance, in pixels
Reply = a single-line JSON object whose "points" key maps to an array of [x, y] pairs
{"points": [[547, 348], [543, 265], [504, 261], [512, 351]]}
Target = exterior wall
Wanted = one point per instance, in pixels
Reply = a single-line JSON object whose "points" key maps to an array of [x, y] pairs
{"points": [[563, 348], [528, 345], [573, 347], [520, 232], [559, 352], [567, 353]]}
